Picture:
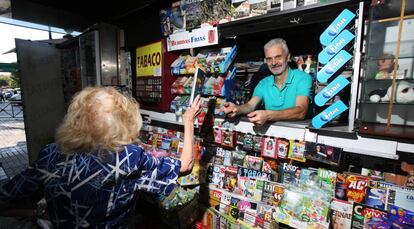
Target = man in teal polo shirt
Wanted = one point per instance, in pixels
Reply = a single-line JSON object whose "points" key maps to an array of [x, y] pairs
{"points": [[285, 93]]}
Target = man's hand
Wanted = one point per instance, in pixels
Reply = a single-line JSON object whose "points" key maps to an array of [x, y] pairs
{"points": [[258, 117], [231, 109]]}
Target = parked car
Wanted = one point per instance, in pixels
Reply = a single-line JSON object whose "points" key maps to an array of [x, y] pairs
{"points": [[16, 97]]}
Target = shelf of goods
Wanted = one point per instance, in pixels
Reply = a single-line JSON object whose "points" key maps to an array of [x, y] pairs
{"points": [[258, 180], [298, 131]]}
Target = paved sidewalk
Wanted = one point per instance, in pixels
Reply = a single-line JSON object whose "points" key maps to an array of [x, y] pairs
{"points": [[13, 150]]}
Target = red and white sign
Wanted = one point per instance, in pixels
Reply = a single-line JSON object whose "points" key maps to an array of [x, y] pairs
{"points": [[197, 38]]}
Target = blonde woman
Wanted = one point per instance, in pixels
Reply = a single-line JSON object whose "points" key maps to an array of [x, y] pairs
{"points": [[89, 176]]}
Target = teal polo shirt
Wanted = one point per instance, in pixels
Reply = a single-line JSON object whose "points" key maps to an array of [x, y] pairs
{"points": [[298, 83]]}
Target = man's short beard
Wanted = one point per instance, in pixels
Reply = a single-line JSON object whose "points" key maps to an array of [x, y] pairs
{"points": [[284, 66]]}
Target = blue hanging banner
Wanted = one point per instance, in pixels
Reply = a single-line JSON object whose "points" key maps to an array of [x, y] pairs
{"points": [[331, 90], [343, 19], [335, 46], [328, 114], [333, 66]]}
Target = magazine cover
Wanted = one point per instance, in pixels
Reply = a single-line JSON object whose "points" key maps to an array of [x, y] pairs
{"points": [[297, 151], [257, 143], [323, 153], [240, 137], [376, 193], [248, 142], [272, 193], [227, 161], [266, 212], [351, 187], [177, 18], [227, 138], [192, 11], [290, 174], [240, 9], [367, 217], [400, 218], [400, 197], [269, 147], [238, 158], [219, 157], [309, 178], [328, 181], [252, 173], [303, 207], [165, 19], [230, 178], [258, 7], [282, 147], [253, 162], [341, 214]]}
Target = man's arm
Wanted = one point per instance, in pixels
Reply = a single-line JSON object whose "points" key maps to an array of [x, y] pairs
{"points": [[295, 113], [233, 110]]}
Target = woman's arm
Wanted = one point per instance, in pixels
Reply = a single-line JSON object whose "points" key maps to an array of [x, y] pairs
{"points": [[187, 157]]}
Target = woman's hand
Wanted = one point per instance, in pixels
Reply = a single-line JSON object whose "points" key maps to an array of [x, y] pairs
{"points": [[192, 112]]}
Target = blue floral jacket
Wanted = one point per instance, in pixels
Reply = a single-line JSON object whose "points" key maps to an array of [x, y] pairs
{"points": [[85, 190]]}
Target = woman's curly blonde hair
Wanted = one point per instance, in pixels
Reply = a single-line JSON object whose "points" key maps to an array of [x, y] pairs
{"points": [[99, 118]]}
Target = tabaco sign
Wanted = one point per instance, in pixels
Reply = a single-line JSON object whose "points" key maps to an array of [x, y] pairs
{"points": [[197, 38], [149, 60]]}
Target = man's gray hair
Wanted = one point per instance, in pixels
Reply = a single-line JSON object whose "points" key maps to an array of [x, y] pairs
{"points": [[277, 41]]}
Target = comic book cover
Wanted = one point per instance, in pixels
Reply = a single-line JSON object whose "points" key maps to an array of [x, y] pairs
{"points": [[248, 142], [253, 162], [376, 193], [252, 173], [297, 151], [227, 138], [269, 147], [272, 193], [367, 217], [218, 136], [351, 187], [341, 214], [400, 197], [290, 174], [240, 137], [238, 158], [230, 178], [257, 143], [227, 158], [282, 147]]}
